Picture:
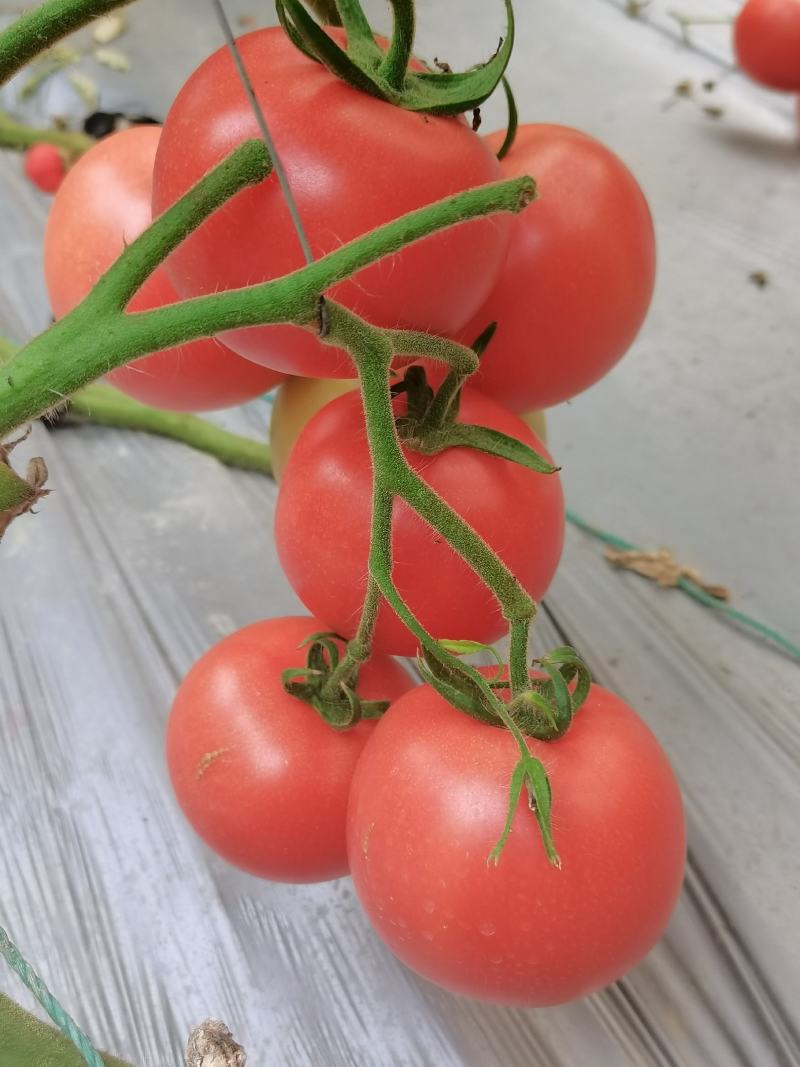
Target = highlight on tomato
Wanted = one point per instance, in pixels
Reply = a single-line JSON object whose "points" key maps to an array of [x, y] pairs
{"points": [[261, 776], [102, 205]]}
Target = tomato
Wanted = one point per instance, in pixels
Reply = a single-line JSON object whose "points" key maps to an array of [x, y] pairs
{"points": [[427, 804], [766, 40], [579, 273], [44, 166], [354, 162], [260, 776], [322, 523], [102, 205], [295, 402]]}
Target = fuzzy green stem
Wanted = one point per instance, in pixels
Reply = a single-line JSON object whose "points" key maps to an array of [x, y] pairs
{"points": [[394, 67], [107, 406], [518, 656], [27, 1042], [36, 30], [19, 136], [359, 647], [96, 336], [372, 354]]}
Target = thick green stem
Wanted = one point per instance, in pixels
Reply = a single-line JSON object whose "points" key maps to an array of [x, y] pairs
{"points": [[96, 336], [19, 136], [37, 30], [107, 406], [394, 67], [26, 1042]]}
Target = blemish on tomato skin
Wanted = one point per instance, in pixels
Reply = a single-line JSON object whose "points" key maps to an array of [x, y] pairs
{"points": [[207, 759]]}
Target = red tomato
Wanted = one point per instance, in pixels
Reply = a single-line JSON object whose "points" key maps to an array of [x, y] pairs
{"points": [[354, 162], [579, 273], [322, 523], [102, 205], [428, 803], [44, 166], [766, 40], [260, 776]]}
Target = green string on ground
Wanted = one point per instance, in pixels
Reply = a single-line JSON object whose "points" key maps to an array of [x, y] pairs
{"points": [[65, 1023], [692, 589]]}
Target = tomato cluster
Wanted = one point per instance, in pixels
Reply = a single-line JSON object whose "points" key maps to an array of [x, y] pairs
{"points": [[284, 765]]}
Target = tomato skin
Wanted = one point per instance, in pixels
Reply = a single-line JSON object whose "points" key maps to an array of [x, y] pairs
{"points": [[324, 504], [102, 204], [579, 273], [296, 401], [353, 162], [260, 776], [427, 804], [44, 166], [766, 41]]}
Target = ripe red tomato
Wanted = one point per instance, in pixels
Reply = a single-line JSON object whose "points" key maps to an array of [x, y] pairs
{"points": [[354, 162], [427, 804], [322, 523], [259, 775], [766, 40], [579, 273], [104, 203], [44, 166]]}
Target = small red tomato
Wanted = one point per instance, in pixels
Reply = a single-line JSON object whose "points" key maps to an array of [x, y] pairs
{"points": [[579, 273], [766, 40], [260, 775], [427, 805], [45, 166]]}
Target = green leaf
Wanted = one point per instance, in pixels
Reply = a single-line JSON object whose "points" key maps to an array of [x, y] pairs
{"points": [[329, 53], [513, 121], [452, 94], [481, 342], [453, 681], [514, 793], [496, 444], [540, 801]]}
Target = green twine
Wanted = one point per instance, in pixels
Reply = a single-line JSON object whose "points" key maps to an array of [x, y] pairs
{"points": [[65, 1023], [692, 589]]}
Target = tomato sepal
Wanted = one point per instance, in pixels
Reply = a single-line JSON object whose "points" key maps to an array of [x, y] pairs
{"points": [[530, 773]]}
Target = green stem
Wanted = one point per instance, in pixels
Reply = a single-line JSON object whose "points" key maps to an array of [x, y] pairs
{"points": [[37, 30], [393, 68], [97, 336], [107, 406], [27, 1042], [17, 135], [518, 656], [373, 354], [359, 647]]}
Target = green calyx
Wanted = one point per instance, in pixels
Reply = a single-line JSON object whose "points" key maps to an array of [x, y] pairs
{"points": [[387, 74], [328, 689]]}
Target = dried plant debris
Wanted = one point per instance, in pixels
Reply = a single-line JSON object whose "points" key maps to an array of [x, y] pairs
{"points": [[113, 58], [759, 278], [714, 111], [109, 28], [662, 568], [211, 1044]]}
